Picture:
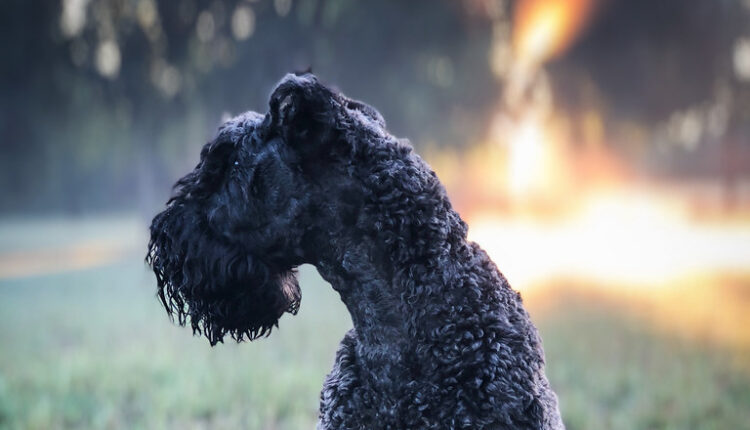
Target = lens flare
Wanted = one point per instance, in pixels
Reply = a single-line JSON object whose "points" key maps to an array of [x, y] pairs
{"points": [[526, 161], [543, 29]]}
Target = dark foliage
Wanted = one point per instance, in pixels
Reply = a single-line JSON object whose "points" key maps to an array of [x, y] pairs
{"points": [[439, 341]]}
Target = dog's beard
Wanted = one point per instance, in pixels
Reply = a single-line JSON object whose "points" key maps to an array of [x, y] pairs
{"points": [[221, 287]]}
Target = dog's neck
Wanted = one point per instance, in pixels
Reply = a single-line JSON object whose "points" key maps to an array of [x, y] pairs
{"points": [[384, 269], [365, 286], [393, 309]]}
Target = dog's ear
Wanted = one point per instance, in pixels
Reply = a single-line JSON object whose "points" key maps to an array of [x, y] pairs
{"points": [[220, 288]]}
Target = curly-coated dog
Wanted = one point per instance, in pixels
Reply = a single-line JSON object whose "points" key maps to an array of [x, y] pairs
{"points": [[440, 341]]}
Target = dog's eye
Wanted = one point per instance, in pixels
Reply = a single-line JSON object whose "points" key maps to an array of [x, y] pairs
{"points": [[236, 163]]}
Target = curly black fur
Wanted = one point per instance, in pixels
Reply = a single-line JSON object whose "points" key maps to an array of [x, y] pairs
{"points": [[439, 340]]}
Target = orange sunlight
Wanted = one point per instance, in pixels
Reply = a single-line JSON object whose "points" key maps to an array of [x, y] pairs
{"points": [[543, 29], [618, 238], [547, 197]]}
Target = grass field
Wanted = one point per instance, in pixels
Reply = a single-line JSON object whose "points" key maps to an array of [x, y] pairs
{"points": [[92, 348]]}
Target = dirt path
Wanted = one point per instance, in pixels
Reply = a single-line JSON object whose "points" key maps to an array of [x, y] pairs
{"points": [[47, 245], [78, 256]]}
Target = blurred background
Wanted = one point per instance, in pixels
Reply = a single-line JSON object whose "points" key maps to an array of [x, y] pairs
{"points": [[598, 149]]}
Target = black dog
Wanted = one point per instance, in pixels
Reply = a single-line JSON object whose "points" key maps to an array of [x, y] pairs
{"points": [[439, 340]]}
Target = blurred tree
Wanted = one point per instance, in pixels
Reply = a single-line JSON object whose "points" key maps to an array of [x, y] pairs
{"points": [[105, 102], [674, 68]]}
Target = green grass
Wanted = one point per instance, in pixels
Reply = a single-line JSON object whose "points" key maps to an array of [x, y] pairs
{"points": [[612, 369], [94, 349]]}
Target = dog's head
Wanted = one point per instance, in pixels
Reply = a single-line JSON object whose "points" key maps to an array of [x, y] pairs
{"points": [[225, 248]]}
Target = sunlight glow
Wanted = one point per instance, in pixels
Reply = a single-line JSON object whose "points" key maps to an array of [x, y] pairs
{"points": [[619, 238], [545, 28], [526, 157]]}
